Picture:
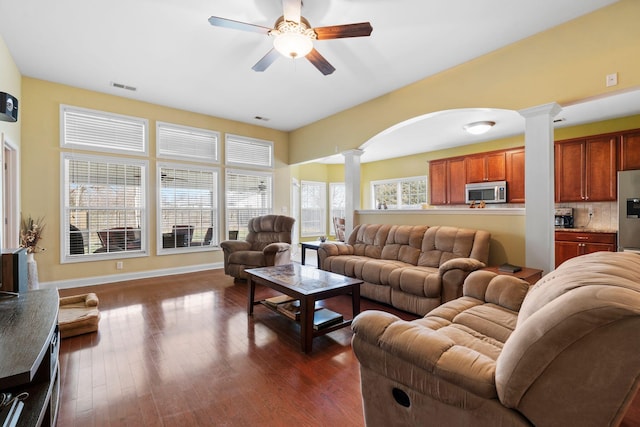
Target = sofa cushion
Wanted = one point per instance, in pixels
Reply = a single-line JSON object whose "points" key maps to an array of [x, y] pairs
{"points": [[441, 244], [369, 239], [421, 281], [588, 305], [404, 243]]}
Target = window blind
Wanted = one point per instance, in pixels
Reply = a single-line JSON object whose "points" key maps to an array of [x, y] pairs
{"points": [[97, 130], [189, 143], [245, 151]]}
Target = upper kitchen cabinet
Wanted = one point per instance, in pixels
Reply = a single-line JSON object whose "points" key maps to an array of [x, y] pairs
{"points": [[585, 169], [515, 175], [630, 150], [489, 166], [447, 181]]}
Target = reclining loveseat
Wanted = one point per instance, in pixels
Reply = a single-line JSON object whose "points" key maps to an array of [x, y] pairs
{"points": [[412, 267]]}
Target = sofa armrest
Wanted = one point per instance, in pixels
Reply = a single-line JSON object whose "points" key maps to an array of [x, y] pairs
{"points": [[235, 245], [423, 348], [274, 248], [464, 264], [328, 249], [453, 273], [277, 253]]}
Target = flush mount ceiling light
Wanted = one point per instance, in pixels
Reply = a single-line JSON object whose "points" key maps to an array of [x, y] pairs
{"points": [[293, 39], [478, 128]]}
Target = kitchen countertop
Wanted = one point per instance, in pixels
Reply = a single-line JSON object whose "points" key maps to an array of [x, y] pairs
{"points": [[586, 230]]}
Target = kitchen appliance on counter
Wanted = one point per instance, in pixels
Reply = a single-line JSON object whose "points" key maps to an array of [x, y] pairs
{"points": [[629, 211], [563, 217], [488, 192]]}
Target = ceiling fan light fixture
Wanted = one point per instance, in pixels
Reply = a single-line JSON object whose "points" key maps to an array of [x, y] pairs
{"points": [[293, 45], [293, 39], [478, 128]]}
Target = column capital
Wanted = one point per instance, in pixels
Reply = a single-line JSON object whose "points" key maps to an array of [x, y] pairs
{"points": [[551, 109], [353, 153]]}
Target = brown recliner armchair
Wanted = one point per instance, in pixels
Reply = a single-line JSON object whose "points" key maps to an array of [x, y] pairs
{"points": [[268, 243], [562, 353]]}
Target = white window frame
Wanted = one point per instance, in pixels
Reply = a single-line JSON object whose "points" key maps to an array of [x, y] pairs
{"points": [[65, 256], [192, 144], [201, 225], [105, 126], [237, 142], [240, 224], [336, 209], [320, 208], [398, 183]]}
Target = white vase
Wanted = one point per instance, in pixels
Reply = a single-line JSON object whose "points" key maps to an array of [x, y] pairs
{"points": [[32, 272]]}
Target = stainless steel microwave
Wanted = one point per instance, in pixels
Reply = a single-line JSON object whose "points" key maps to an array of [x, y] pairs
{"points": [[488, 192]]}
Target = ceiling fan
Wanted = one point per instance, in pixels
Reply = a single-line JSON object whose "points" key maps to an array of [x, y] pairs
{"points": [[293, 36]]}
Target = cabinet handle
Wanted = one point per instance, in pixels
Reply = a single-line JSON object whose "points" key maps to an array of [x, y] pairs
{"points": [[582, 238]]}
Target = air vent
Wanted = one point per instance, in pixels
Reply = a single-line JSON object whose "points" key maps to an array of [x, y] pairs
{"points": [[264, 119], [123, 86]]}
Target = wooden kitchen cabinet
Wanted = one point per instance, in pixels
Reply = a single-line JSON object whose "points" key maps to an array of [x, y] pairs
{"points": [[446, 181], [585, 169], [490, 166], [629, 150], [570, 244], [515, 175]]}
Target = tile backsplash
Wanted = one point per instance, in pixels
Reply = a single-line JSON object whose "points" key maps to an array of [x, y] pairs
{"points": [[605, 215]]}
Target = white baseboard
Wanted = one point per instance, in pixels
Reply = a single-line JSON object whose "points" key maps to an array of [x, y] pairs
{"points": [[112, 278]]}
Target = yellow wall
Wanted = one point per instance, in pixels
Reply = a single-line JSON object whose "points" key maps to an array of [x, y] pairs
{"points": [[41, 150], [565, 64]]}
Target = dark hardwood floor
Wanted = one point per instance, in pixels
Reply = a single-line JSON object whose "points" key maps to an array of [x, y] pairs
{"points": [[181, 350]]}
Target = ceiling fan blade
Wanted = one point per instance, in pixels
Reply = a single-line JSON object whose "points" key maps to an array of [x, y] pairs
{"points": [[292, 10], [320, 63], [237, 25], [266, 60], [361, 29]]}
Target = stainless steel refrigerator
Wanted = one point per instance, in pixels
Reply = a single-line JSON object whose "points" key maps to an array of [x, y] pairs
{"points": [[629, 211]]}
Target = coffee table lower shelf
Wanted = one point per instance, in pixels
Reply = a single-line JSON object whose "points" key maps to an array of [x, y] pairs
{"points": [[316, 332]]}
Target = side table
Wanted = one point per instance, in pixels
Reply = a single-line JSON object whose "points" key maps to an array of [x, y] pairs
{"points": [[314, 246], [531, 275]]}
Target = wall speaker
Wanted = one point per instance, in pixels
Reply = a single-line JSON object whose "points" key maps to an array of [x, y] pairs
{"points": [[8, 107]]}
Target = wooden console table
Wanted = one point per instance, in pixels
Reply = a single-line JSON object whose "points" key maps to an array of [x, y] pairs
{"points": [[29, 346], [531, 275]]}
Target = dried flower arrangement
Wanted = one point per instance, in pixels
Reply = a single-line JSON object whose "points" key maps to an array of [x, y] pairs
{"points": [[30, 234]]}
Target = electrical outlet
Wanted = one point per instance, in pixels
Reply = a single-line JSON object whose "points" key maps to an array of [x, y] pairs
{"points": [[612, 79], [119, 265], [590, 211]]}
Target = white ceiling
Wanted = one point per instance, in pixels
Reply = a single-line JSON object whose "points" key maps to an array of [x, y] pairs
{"points": [[174, 57]]}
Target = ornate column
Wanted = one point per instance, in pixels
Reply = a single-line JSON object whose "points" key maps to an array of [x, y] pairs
{"points": [[539, 186]]}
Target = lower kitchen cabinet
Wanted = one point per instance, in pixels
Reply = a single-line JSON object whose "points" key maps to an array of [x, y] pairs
{"points": [[570, 244]]}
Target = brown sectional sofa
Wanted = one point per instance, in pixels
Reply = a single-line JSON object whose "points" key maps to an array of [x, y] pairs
{"points": [[413, 268], [561, 353]]}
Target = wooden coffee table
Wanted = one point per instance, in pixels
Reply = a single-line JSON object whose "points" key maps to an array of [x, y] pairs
{"points": [[308, 285]]}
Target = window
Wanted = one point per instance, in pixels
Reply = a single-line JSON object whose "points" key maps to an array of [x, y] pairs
{"points": [[248, 194], [313, 211], [182, 142], [248, 152], [403, 193], [104, 207], [187, 207], [100, 131], [336, 202]]}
